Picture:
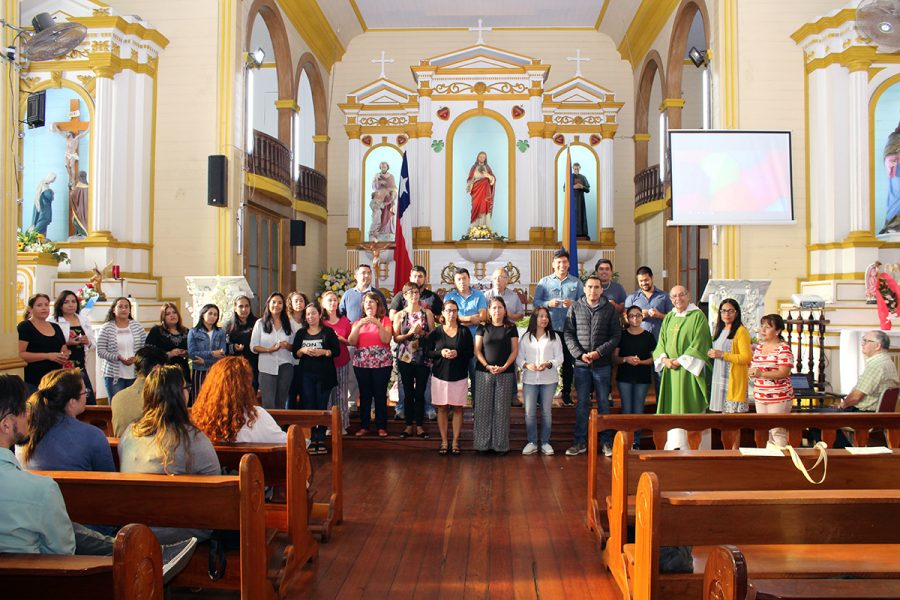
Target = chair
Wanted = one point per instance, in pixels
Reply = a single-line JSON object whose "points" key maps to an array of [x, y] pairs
{"points": [[889, 400]]}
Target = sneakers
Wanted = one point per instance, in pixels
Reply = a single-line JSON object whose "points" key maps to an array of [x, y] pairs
{"points": [[175, 558], [529, 449], [576, 449], [607, 450], [399, 416], [547, 449]]}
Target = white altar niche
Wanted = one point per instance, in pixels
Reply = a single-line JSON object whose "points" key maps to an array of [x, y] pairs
{"points": [[483, 138]]}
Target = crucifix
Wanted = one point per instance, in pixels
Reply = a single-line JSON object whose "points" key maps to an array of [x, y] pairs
{"points": [[73, 130], [382, 60], [578, 60], [480, 30]]}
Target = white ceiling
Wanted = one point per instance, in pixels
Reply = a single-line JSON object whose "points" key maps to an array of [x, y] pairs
{"points": [[381, 14]]}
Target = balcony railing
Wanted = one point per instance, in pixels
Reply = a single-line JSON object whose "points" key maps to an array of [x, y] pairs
{"points": [[272, 159], [648, 187], [311, 186]]}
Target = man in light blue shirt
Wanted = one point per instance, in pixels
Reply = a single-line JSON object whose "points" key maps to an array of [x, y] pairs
{"points": [[654, 302], [557, 292], [351, 301], [33, 517], [472, 311]]}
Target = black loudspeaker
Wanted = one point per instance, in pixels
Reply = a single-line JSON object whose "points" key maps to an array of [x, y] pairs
{"points": [[217, 187], [298, 233], [37, 102]]}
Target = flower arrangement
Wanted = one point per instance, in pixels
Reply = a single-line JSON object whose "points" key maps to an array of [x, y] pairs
{"points": [[480, 232], [32, 241], [87, 296], [336, 280]]}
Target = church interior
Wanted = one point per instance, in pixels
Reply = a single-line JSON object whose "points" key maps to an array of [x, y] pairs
{"points": [[187, 152]]}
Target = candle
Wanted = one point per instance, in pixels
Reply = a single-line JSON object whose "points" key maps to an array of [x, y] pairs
{"points": [[115, 271]]}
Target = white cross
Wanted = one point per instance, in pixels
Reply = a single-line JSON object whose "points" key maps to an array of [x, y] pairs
{"points": [[578, 60], [480, 30], [382, 60]]}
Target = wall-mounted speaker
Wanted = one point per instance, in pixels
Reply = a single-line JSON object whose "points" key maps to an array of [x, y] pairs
{"points": [[217, 186], [37, 104], [298, 233]]}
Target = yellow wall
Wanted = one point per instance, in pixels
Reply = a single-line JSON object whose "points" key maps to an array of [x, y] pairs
{"points": [[552, 47]]}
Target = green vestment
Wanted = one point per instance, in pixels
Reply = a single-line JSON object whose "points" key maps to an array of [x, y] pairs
{"points": [[680, 391]]}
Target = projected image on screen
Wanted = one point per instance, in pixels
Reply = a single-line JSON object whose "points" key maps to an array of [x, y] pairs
{"points": [[731, 177]]}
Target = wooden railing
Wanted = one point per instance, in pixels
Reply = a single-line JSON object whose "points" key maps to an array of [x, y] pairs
{"points": [[648, 187], [807, 339], [270, 158], [311, 186]]}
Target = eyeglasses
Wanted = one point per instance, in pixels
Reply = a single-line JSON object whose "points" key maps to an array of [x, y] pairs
{"points": [[865, 341], [83, 394], [727, 311]]}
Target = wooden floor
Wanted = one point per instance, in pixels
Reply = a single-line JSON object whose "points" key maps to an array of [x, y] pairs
{"points": [[420, 525]]}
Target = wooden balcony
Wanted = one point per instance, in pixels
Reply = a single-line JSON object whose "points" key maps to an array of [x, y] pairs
{"points": [[648, 187], [311, 186], [270, 158]]}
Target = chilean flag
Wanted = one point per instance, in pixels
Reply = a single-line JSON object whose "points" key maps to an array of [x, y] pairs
{"points": [[570, 228], [403, 239]]}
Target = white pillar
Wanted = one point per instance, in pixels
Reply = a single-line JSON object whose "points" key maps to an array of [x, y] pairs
{"points": [[860, 217], [101, 158], [607, 183], [354, 183]]}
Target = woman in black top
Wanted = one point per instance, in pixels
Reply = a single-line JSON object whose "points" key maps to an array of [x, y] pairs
{"points": [[238, 332], [78, 333], [496, 347], [316, 346], [635, 371], [450, 347], [41, 342], [170, 336]]}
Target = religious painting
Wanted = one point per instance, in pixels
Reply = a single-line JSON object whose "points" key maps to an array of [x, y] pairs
{"points": [[586, 192], [55, 178], [479, 178], [886, 161], [381, 185]]}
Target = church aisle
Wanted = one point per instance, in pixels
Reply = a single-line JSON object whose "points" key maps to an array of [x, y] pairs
{"points": [[419, 525]]}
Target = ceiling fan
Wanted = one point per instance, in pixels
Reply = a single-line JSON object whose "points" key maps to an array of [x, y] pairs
{"points": [[49, 40], [879, 20]]}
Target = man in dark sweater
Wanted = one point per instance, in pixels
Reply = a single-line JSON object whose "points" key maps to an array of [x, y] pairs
{"points": [[591, 333]]}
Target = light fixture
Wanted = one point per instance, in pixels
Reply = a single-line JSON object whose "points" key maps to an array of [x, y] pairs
{"points": [[255, 58], [885, 27], [698, 57]]}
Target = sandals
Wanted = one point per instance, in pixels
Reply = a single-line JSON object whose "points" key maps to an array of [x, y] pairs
{"points": [[405, 433], [455, 451], [443, 450], [422, 434]]}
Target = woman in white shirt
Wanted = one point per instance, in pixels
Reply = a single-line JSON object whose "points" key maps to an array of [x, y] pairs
{"points": [[540, 355], [79, 334], [272, 339], [120, 338], [226, 409]]}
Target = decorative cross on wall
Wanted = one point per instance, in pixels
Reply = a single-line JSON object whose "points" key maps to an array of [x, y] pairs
{"points": [[382, 60], [578, 59], [480, 30]]}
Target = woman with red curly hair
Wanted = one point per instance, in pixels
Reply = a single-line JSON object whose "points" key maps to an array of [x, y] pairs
{"points": [[226, 409]]}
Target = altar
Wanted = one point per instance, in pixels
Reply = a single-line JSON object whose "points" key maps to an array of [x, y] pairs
{"points": [[486, 143]]}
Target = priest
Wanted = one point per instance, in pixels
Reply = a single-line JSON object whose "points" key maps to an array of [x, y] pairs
{"points": [[680, 357]]}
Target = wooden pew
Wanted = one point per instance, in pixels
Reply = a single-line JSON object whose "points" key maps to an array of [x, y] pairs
{"points": [[725, 578], [133, 571], [783, 534], [829, 423], [195, 501], [711, 470], [324, 515]]}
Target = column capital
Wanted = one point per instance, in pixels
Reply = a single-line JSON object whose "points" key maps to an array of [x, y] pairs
{"points": [[287, 104], [608, 131], [104, 71], [668, 103], [353, 131]]}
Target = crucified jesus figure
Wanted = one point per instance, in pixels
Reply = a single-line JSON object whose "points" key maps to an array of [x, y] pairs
{"points": [[72, 139]]}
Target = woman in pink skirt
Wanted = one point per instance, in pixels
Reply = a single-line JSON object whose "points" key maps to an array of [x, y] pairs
{"points": [[450, 347]]}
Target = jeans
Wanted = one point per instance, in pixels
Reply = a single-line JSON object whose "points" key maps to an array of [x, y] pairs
{"points": [[313, 397], [587, 380], [274, 388], [532, 394], [373, 389], [114, 388], [401, 400], [413, 381], [633, 396]]}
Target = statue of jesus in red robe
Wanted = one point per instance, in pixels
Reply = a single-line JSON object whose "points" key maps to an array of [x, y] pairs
{"points": [[480, 185]]}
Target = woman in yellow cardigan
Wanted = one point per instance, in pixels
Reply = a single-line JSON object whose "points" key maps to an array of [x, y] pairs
{"points": [[731, 359]]}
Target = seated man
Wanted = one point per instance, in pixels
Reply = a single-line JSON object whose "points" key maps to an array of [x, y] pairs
{"points": [[878, 376], [33, 517]]}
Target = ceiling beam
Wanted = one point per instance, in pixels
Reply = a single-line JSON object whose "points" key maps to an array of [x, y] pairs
{"points": [[312, 25], [648, 21]]}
